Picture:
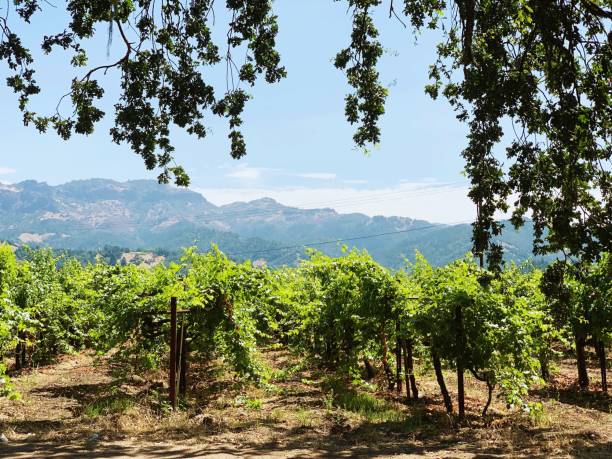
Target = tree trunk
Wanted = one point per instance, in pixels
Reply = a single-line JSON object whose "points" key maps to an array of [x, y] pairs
{"points": [[183, 362], [440, 377], [20, 351], [583, 376], [18, 356], [398, 359], [385, 361], [409, 369], [328, 352], [461, 391], [460, 369], [349, 342], [369, 368], [24, 353], [601, 354], [406, 368], [544, 368], [486, 379], [489, 397]]}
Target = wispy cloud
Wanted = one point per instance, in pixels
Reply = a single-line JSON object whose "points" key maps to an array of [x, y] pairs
{"points": [[250, 173], [7, 170], [245, 172], [315, 175]]}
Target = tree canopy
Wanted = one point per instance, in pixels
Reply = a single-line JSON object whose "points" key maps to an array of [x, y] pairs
{"points": [[538, 68], [168, 48]]}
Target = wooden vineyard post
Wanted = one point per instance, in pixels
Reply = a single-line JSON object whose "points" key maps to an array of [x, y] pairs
{"points": [[172, 375]]}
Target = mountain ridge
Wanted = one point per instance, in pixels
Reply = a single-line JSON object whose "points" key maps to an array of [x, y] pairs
{"points": [[90, 214]]}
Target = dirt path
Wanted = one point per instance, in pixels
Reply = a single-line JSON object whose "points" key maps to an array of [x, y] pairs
{"points": [[219, 451], [149, 451], [76, 408]]}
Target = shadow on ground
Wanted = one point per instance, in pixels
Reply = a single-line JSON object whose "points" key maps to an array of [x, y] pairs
{"points": [[322, 447], [571, 396]]}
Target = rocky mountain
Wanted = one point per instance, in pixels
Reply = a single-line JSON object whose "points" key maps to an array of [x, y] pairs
{"points": [[89, 215]]}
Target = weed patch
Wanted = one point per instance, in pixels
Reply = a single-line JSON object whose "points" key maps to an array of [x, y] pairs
{"points": [[114, 404]]}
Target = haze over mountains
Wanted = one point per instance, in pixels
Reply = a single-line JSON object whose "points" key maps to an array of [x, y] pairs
{"points": [[91, 214]]}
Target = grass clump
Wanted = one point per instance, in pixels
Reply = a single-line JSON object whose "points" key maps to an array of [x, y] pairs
{"points": [[304, 417], [250, 403], [253, 404], [368, 406], [108, 405]]}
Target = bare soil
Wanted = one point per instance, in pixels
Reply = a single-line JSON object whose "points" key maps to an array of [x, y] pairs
{"points": [[80, 407]]}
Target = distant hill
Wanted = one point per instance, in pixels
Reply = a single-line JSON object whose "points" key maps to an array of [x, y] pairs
{"points": [[91, 215]]}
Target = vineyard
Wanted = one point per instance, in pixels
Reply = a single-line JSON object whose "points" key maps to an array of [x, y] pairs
{"points": [[368, 329]]}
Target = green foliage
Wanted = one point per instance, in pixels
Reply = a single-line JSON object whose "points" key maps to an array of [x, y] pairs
{"points": [[580, 298], [226, 299], [344, 313], [125, 303], [115, 403], [358, 60], [344, 310], [47, 306], [8, 268], [132, 306], [8, 273], [370, 407], [504, 325], [52, 306], [336, 308]]}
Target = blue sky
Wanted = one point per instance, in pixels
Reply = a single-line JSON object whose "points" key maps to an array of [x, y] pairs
{"points": [[300, 148]]}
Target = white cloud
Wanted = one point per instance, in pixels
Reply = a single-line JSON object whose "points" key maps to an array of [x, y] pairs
{"points": [[434, 202], [7, 170], [315, 175], [245, 172], [249, 173]]}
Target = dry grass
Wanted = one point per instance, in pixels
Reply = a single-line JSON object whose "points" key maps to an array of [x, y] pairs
{"points": [[302, 409]]}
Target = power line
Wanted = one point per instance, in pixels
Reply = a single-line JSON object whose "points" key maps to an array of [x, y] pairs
{"points": [[335, 241], [372, 198], [439, 187], [289, 211]]}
